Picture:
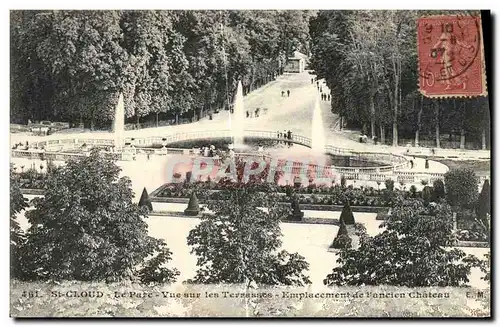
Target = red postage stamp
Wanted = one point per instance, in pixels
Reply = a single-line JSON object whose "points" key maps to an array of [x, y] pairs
{"points": [[451, 58]]}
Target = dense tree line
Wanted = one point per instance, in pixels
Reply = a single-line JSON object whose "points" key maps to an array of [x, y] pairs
{"points": [[72, 65], [369, 61]]}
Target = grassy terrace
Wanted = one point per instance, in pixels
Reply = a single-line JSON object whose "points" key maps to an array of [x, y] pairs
{"points": [[480, 167]]}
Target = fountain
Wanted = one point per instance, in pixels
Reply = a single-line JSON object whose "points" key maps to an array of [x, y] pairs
{"points": [[236, 122], [119, 124], [318, 133]]}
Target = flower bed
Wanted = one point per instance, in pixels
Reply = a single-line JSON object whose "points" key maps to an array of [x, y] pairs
{"points": [[334, 195], [31, 179]]}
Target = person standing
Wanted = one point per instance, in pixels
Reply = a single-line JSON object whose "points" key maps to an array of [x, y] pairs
{"points": [[312, 80], [289, 136], [288, 92], [282, 93], [426, 163]]}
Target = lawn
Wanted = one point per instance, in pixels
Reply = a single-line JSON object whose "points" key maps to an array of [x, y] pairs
{"points": [[480, 167]]}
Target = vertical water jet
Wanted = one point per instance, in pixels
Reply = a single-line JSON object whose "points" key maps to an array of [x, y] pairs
{"points": [[238, 117], [119, 123]]}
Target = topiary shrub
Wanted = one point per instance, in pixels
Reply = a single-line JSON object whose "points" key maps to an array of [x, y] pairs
{"points": [[144, 201], [342, 240], [296, 214], [346, 216], [438, 190], [189, 175], [389, 184], [427, 194], [343, 181], [193, 207], [413, 191]]}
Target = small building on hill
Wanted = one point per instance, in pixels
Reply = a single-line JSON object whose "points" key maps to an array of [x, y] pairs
{"points": [[296, 63]]}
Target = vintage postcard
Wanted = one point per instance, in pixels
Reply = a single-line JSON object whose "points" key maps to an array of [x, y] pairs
{"points": [[250, 163]]}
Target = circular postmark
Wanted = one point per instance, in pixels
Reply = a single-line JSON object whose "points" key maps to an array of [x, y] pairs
{"points": [[448, 47]]}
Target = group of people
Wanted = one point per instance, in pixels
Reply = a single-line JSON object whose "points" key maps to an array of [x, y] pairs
{"points": [[363, 138], [287, 93], [285, 135], [27, 147], [325, 97], [412, 163], [20, 146], [319, 87], [255, 113], [207, 151]]}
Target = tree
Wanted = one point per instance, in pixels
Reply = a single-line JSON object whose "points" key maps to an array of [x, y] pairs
{"points": [[87, 228], [484, 201], [74, 64], [410, 252], [342, 240], [461, 187], [145, 201], [369, 61], [483, 207], [17, 204], [238, 242]]}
